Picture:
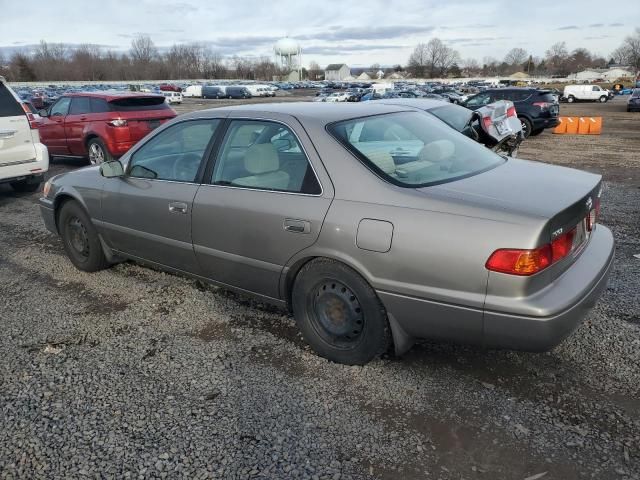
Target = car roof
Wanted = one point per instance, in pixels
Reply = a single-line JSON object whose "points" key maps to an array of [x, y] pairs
{"points": [[310, 111], [111, 95], [421, 103]]}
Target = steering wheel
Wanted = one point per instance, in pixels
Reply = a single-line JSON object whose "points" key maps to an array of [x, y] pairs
{"points": [[186, 166]]}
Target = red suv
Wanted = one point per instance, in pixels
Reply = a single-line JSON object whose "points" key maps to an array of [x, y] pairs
{"points": [[101, 126]]}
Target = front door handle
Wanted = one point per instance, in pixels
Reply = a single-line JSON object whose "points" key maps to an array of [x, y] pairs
{"points": [[295, 225], [177, 207]]}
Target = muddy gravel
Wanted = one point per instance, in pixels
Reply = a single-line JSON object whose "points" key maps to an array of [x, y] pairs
{"points": [[135, 373]]}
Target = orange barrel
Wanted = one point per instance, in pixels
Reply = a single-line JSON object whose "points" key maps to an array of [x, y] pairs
{"points": [[572, 125], [595, 125], [583, 125], [562, 126]]}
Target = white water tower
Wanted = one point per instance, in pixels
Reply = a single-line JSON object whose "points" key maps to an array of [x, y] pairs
{"points": [[289, 55]]}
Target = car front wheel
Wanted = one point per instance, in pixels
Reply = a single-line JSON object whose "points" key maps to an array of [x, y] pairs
{"points": [[80, 238], [526, 127], [339, 314], [98, 152], [603, 99]]}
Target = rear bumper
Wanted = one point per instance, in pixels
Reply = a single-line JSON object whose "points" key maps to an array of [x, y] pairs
{"points": [[556, 311], [562, 305], [539, 123], [117, 149], [28, 170]]}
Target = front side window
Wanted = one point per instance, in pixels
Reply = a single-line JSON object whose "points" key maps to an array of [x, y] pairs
{"points": [[175, 153], [411, 149], [266, 156], [61, 107], [79, 106]]}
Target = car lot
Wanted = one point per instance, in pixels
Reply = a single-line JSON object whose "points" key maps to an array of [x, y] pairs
{"points": [[134, 372]]}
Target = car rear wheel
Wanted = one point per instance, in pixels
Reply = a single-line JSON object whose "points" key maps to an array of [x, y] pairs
{"points": [[571, 99], [339, 314], [98, 152], [26, 186], [526, 127], [80, 238]]}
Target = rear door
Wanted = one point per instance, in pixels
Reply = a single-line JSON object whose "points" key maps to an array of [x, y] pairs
{"points": [[16, 144], [52, 130], [147, 213], [75, 124], [265, 203]]}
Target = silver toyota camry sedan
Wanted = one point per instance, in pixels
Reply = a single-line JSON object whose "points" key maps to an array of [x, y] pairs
{"points": [[376, 224]]}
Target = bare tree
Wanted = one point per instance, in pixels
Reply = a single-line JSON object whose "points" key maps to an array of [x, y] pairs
{"points": [[556, 58], [516, 57], [432, 59], [629, 52], [143, 52], [314, 71]]}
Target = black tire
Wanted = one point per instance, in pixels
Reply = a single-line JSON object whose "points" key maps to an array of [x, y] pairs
{"points": [[571, 99], [25, 186], [98, 152], [526, 127], [80, 238], [603, 99], [339, 314], [535, 133]]}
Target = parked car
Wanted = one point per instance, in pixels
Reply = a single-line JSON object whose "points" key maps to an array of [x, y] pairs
{"points": [[101, 126], [574, 93], [495, 125], [23, 159], [536, 108], [167, 87], [376, 224], [172, 97], [633, 104], [212, 91], [237, 92], [338, 97], [192, 91]]}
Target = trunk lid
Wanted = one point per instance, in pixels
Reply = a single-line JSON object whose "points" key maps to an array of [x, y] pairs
{"points": [[142, 113]]}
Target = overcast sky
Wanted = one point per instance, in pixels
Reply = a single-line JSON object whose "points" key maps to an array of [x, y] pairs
{"points": [[358, 33]]}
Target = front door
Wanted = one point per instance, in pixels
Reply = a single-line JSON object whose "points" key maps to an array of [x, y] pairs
{"points": [[263, 205], [147, 213], [75, 123], [52, 131]]}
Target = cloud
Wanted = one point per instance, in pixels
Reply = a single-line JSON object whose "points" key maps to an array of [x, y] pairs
{"points": [[340, 33], [569, 27], [596, 25], [616, 24], [597, 37], [347, 49]]}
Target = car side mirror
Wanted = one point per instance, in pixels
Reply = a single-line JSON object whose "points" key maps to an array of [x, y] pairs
{"points": [[43, 113], [111, 169]]}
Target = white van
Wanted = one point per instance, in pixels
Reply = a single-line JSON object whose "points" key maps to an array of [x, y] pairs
{"points": [[23, 159], [193, 91], [173, 97], [593, 93]]}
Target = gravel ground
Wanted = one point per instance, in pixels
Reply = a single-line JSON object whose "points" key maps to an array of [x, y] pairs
{"points": [[136, 373]]}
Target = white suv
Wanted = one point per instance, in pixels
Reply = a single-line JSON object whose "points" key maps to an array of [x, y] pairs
{"points": [[23, 159], [173, 97]]}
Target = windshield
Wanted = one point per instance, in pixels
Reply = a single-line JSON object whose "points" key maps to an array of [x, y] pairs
{"points": [[412, 149]]}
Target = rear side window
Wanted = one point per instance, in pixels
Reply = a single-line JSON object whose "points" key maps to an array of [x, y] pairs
{"points": [[99, 105], [9, 107], [139, 103], [546, 97], [79, 105]]}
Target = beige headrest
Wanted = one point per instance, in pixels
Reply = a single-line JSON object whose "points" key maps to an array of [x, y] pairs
{"points": [[437, 151], [383, 160], [261, 158]]}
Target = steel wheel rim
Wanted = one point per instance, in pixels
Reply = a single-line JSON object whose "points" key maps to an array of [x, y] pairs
{"points": [[336, 314], [78, 237], [96, 154]]}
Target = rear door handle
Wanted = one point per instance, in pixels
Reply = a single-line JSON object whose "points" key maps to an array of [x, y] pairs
{"points": [[7, 133], [295, 225], [178, 207]]}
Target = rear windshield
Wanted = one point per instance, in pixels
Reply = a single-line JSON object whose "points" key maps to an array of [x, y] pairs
{"points": [[546, 97], [9, 107], [453, 115], [412, 149], [139, 103]]}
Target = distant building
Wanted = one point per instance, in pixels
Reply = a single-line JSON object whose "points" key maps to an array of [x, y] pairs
{"points": [[609, 74], [336, 72], [364, 76]]}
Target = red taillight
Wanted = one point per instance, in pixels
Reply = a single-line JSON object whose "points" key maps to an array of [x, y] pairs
{"points": [[542, 105], [520, 262], [33, 123], [511, 112], [562, 246], [118, 122], [487, 122]]}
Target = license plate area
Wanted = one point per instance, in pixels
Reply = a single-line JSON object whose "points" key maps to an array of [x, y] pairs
{"points": [[502, 128]]}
